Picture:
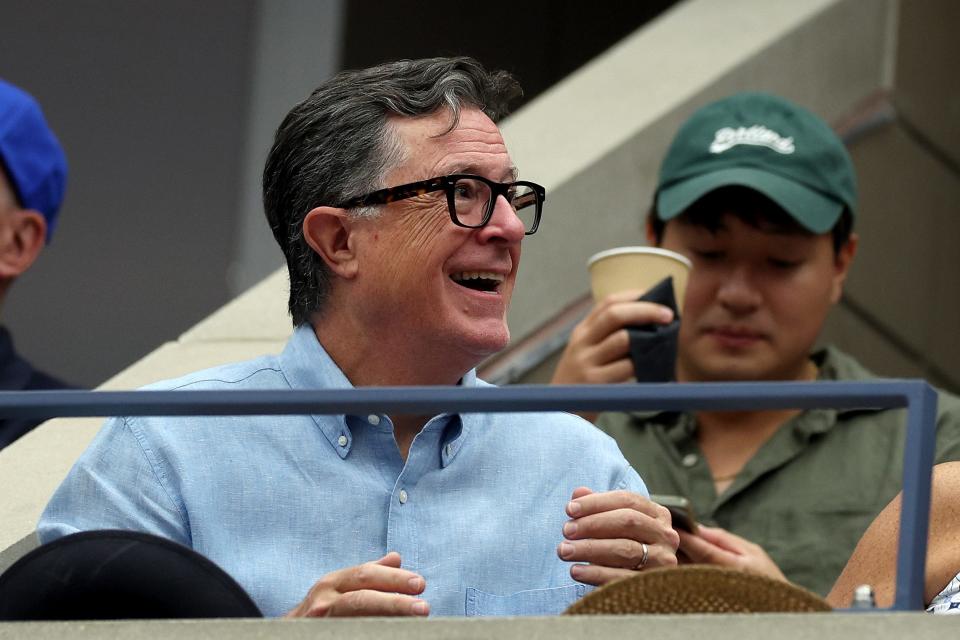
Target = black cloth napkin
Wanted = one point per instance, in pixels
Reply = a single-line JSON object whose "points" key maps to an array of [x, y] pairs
{"points": [[653, 347]]}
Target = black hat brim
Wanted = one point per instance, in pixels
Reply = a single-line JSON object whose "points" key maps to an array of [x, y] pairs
{"points": [[113, 574]]}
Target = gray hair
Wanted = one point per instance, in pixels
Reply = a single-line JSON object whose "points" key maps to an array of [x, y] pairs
{"points": [[338, 144]]}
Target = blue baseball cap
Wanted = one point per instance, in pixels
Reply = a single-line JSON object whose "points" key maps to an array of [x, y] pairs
{"points": [[30, 154]]}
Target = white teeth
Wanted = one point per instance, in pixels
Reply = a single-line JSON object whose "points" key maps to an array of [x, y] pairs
{"points": [[478, 275]]}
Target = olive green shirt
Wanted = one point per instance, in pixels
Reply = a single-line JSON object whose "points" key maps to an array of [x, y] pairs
{"points": [[811, 490]]}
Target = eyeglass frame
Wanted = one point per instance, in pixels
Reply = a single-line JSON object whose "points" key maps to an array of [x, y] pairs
{"points": [[446, 183]]}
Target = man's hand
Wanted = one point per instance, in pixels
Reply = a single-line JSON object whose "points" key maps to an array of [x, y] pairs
{"points": [[599, 348], [378, 588], [609, 531], [713, 545]]}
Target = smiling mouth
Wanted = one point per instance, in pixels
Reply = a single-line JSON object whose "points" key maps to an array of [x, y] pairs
{"points": [[485, 281]]}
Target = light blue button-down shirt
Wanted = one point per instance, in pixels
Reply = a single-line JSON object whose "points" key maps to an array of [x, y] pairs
{"points": [[278, 502]]}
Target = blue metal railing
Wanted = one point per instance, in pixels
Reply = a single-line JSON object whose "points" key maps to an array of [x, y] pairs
{"points": [[916, 396]]}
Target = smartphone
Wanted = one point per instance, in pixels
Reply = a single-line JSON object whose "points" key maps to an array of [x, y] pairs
{"points": [[681, 511]]}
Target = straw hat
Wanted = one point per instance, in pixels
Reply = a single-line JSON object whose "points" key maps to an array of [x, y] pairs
{"points": [[697, 589]]}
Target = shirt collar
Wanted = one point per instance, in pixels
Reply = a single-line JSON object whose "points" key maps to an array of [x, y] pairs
{"points": [[456, 426], [832, 365], [306, 365]]}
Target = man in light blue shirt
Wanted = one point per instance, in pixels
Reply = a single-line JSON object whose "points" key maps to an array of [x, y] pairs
{"points": [[393, 197]]}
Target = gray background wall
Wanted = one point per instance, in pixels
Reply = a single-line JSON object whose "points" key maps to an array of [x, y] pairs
{"points": [[902, 313], [167, 110]]}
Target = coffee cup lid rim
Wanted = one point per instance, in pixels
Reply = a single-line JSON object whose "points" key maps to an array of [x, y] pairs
{"points": [[639, 249]]}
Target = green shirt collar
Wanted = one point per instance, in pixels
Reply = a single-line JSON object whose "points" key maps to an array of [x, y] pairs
{"points": [[832, 365]]}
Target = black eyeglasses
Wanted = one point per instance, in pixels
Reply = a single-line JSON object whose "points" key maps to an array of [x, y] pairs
{"points": [[470, 199]]}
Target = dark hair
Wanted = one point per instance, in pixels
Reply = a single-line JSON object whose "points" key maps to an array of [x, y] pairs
{"points": [[750, 207], [337, 144]]}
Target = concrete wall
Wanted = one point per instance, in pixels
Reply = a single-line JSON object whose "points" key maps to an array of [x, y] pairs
{"points": [[165, 109], [297, 46], [904, 289], [815, 626], [149, 101]]}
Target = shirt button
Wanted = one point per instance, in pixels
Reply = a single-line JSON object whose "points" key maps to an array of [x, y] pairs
{"points": [[689, 460], [446, 450], [403, 496], [342, 441], [373, 419]]}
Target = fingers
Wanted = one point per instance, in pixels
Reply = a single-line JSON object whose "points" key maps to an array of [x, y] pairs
{"points": [[392, 559], [584, 362], [588, 367], [612, 349], [378, 588], [714, 540], [616, 532], [580, 506], [579, 492], [701, 551], [376, 603], [623, 523], [598, 575], [597, 351], [377, 576], [618, 553], [724, 539], [719, 547], [615, 312]]}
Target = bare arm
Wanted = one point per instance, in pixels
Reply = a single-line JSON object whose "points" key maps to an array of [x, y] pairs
{"points": [[874, 561]]}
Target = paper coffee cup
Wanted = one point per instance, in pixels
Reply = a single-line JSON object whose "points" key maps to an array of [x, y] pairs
{"points": [[640, 268]]}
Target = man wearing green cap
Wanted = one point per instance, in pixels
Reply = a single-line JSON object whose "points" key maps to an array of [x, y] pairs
{"points": [[761, 196]]}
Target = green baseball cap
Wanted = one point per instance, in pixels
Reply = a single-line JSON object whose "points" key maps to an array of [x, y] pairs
{"points": [[767, 144]]}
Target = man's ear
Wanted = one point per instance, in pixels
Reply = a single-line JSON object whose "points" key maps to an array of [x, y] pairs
{"points": [[842, 262], [329, 231], [22, 237]]}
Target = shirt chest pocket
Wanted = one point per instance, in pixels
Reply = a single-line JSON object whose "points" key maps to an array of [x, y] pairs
{"points": [[535, 602]]}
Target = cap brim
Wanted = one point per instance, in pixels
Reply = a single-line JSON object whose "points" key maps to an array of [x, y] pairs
{"points": [[113, 574], [813, 210]]}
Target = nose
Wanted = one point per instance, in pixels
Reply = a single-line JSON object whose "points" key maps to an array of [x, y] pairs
{"points": [[505, 226], [737, 291]]}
